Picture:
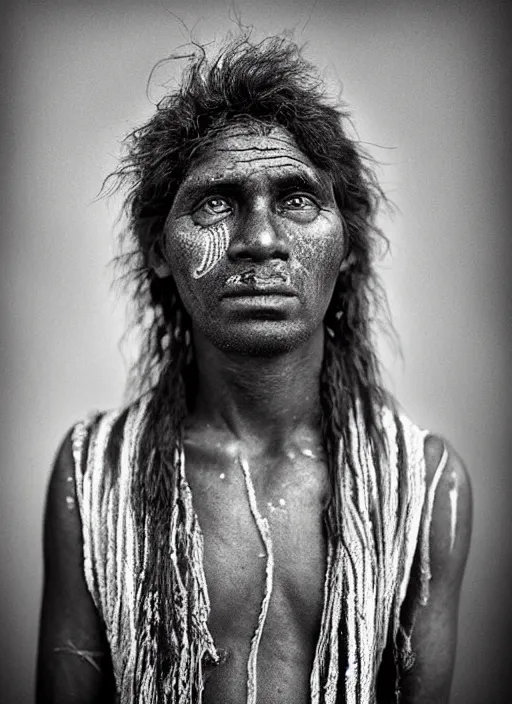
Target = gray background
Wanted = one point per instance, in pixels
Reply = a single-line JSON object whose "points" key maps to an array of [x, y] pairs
{"points": [[429, 83]]}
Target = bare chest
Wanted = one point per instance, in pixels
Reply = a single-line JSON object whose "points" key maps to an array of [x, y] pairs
{"points": [[232, 508]]}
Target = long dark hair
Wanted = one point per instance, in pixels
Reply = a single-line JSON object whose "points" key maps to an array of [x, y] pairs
{"points": [[271, 82]]}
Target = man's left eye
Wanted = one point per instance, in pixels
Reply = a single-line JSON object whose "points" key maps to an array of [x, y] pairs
{"points": [[298, 202]]}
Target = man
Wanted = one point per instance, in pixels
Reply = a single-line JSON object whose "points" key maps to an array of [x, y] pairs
{"points": [[262, 524]]}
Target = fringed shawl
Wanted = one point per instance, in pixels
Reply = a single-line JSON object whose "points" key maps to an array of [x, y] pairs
{"points": [[385, 524]]}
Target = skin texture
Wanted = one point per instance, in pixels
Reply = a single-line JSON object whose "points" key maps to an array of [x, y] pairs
{"points": [[259, 355]]}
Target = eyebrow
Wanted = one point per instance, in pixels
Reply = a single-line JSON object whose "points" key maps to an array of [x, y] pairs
{"points": [[199, 186]]}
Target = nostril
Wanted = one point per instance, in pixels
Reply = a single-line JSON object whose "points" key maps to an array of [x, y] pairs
{"points": [[257, 254]]}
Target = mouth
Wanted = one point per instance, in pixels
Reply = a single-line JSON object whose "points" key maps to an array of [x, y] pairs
{"points": [[266, 288], [270, 280]]}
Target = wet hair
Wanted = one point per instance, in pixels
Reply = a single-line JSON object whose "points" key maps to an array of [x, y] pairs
{"points": [[269, 82]]}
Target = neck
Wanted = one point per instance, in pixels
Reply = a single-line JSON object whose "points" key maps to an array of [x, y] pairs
{"points": [[261, 398]]}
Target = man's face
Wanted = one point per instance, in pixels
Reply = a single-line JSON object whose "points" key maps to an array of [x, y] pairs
{"points": [[254, 242]]}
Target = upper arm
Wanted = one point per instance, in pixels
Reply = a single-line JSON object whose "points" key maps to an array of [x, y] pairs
{"points": [[435, 624], [73, 660]]}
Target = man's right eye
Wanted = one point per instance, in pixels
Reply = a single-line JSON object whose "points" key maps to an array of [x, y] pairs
{"points": [[217, 205], [214, 206], [211, 210]]}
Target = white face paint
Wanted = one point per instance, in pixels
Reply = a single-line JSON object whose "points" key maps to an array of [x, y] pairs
{"points": [[453, 494], [216, 245]]}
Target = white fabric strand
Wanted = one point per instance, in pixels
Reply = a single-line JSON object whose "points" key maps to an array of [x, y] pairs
{"points": [[266, 539]]}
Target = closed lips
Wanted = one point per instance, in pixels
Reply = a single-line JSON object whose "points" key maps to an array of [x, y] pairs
{"points": [[259, 287]]}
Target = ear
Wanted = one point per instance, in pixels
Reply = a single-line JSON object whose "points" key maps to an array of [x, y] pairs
{"points": [[157, 262]]}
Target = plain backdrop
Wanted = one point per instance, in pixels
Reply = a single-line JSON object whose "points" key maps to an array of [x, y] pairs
{"points": [[428, 83]]}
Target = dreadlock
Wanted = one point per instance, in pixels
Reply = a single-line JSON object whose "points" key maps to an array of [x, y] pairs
{"points": [[269, 82]]}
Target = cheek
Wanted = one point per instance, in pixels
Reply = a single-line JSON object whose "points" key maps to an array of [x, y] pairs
{"points": [[194, 253], [215, 245], [321, 254]]}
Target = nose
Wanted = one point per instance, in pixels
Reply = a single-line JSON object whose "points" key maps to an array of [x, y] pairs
{"points": [[259, 237]]}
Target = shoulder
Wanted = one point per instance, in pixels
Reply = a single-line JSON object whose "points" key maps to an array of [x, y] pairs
{"points": [[62, 521], [62, 514], [449, 486], [61, 488], [98, 440], [76, 485]]}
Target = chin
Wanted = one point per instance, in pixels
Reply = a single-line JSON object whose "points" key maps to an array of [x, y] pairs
{"points": [[266, 339]]}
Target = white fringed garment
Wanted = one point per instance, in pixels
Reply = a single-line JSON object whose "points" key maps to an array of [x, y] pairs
{"points": [[386, 520]]}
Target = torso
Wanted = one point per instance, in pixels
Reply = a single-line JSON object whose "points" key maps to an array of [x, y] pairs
{"points": [[290, 490]]}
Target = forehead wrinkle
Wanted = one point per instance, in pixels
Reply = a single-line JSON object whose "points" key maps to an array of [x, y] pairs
{"points": [[287, 141], [221, 178], [248, 149], [277, 134], [273, 156]]}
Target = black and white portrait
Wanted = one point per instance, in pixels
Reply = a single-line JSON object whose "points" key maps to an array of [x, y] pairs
{"points": [[255, 283]]}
